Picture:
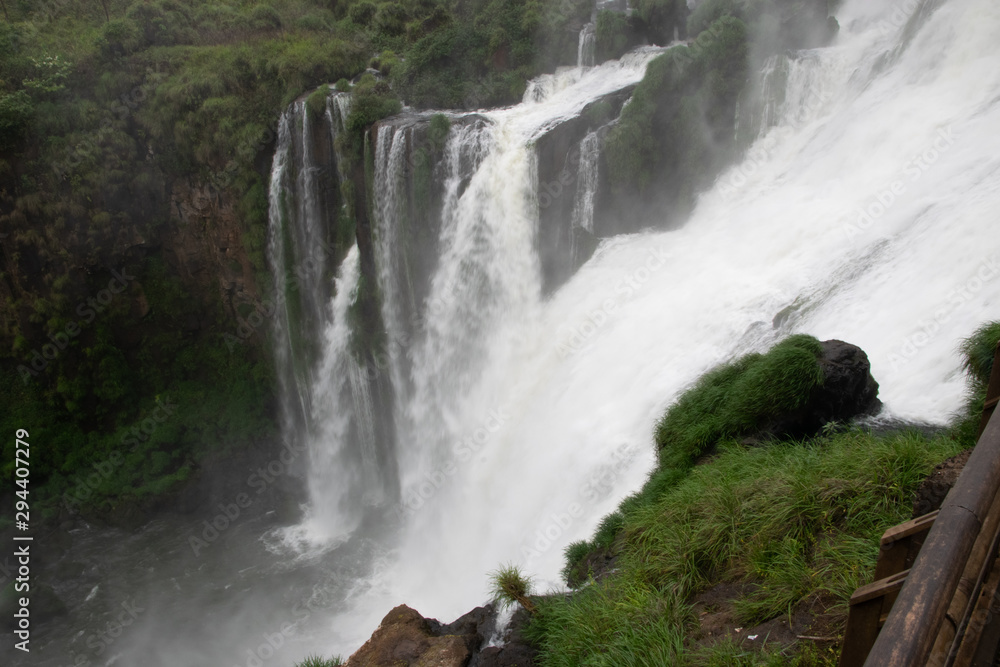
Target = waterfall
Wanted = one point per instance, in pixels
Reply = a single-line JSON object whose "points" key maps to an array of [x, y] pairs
{"points": [[861, 212], [502, 419], [585, 50], [583, 207], [327, 390]]}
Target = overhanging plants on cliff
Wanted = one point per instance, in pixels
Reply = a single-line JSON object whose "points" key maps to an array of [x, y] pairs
{"points": [[664, 136], [508, 586], [730, 401], [736, 398]]}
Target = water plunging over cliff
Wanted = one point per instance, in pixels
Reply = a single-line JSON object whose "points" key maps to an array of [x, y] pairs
{"points": [[501, 406], [519, 417]]}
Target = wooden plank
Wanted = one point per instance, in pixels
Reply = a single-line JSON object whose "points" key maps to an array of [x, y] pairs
{"points": [[861, 631], [979, 620], [878, 589], [896, 545], [964, 601], [909, 528], [912, 627], [865, 617]]}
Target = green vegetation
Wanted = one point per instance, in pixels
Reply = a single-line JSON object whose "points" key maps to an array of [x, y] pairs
{"points": [[729, 401], [316, 661], [131, 407], [373, 100], [785, 525], [978, 351], [682, 109], [481, 52], [739, 397], [791, 521], [509, 586], [678, 131], [112, 115], [614, 34]]}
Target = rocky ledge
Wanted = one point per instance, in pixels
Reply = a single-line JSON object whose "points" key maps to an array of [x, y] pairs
{"points": [[405, 638]]}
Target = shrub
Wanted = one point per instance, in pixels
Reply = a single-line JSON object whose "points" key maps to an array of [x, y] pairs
{"points": [[264, 17], [362, 13], [119, 37], [373, 101], [317, 661], [316, 102], [390, 18], [707, 12], [978, 351], [737, 397], [611, 35], [16, 111], [508, 586], [440, 126]]}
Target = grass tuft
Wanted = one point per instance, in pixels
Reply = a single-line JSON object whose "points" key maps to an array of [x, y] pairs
{"points": [[317, 661], [978, 351], [509, 586]]}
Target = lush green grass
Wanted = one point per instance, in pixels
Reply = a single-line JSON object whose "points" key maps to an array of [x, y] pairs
{"points": [[738, 397], [729, 401], [796, 520]]}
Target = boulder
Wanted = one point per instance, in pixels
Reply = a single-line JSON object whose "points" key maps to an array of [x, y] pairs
{"points": [[405, 638], [848, 391]]}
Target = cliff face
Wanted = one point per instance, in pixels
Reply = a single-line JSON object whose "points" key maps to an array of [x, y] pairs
{"points": [[203, 241]]}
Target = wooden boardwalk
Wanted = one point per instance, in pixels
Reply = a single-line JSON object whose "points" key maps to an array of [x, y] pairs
{"points": [[936, 596]]}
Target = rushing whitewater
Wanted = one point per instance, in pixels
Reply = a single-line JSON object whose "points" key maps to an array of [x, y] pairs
{"points": [[861, 212]]}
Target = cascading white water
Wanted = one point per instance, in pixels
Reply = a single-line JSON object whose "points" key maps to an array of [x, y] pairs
{"points": [[583, 206], [864, 219], [390, 255], [586, 47], [335, 395]]}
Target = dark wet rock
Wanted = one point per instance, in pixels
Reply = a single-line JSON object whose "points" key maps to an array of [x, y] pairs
{"points": [[515, 650], [848, 391], [932, 491]]}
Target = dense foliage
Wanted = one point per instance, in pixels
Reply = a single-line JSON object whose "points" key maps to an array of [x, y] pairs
{"points": [[677, 134]]}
